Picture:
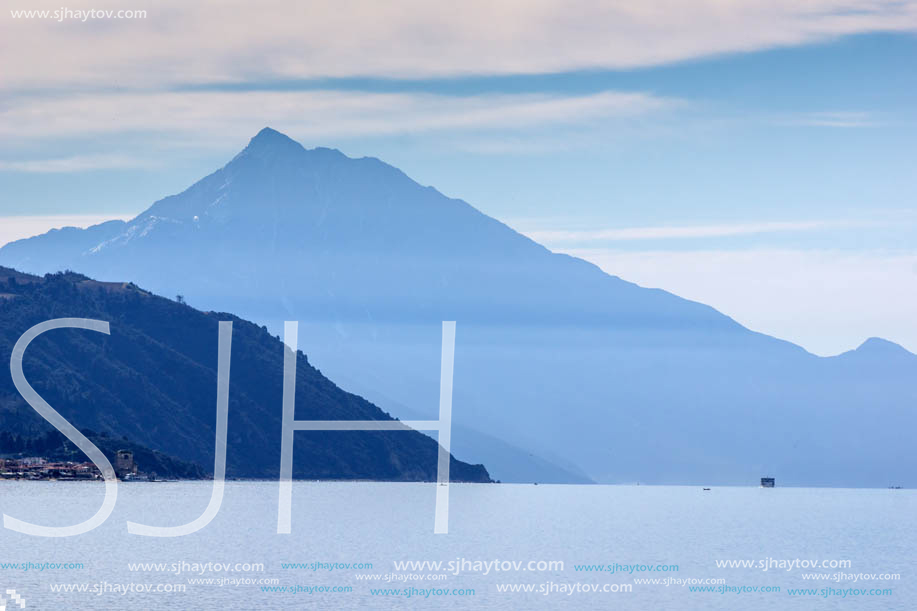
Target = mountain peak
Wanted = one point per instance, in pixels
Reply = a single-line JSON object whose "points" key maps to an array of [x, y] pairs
{"points": [[269, 145], [272, 139], [877, 345]]}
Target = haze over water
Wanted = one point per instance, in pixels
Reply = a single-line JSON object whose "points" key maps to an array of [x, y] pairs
{"points": [[380, 524]]}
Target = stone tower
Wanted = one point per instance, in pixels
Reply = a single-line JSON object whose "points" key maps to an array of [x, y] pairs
{"points": [[124, 463]]}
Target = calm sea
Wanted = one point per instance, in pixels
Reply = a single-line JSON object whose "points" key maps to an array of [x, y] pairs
{"points": [[347, 538]]}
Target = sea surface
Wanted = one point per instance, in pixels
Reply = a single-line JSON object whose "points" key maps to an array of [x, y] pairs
{"points": [[670, 534]]}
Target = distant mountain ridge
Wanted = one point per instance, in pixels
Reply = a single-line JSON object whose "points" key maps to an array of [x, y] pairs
{"points": [[562, 363], [153, 380]]}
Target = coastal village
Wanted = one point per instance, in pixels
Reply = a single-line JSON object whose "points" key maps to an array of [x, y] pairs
{"points": [[36, 468]]}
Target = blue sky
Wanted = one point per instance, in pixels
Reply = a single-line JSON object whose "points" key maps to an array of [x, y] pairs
{"points": [[758, 157]]}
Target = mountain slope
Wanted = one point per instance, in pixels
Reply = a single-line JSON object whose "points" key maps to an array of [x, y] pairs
{"points": [[581, 369], [153, 380]]}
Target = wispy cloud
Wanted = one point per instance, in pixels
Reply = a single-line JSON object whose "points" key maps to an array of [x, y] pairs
{"points": [[846, 119], [409, 38], [311, 114], [76, 163], [666, 232]]}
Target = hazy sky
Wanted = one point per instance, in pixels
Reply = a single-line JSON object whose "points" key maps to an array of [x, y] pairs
{"points": [[757, 156]]}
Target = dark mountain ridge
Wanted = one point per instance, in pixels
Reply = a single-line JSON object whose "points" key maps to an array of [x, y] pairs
{"points": [[153, 380]]}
